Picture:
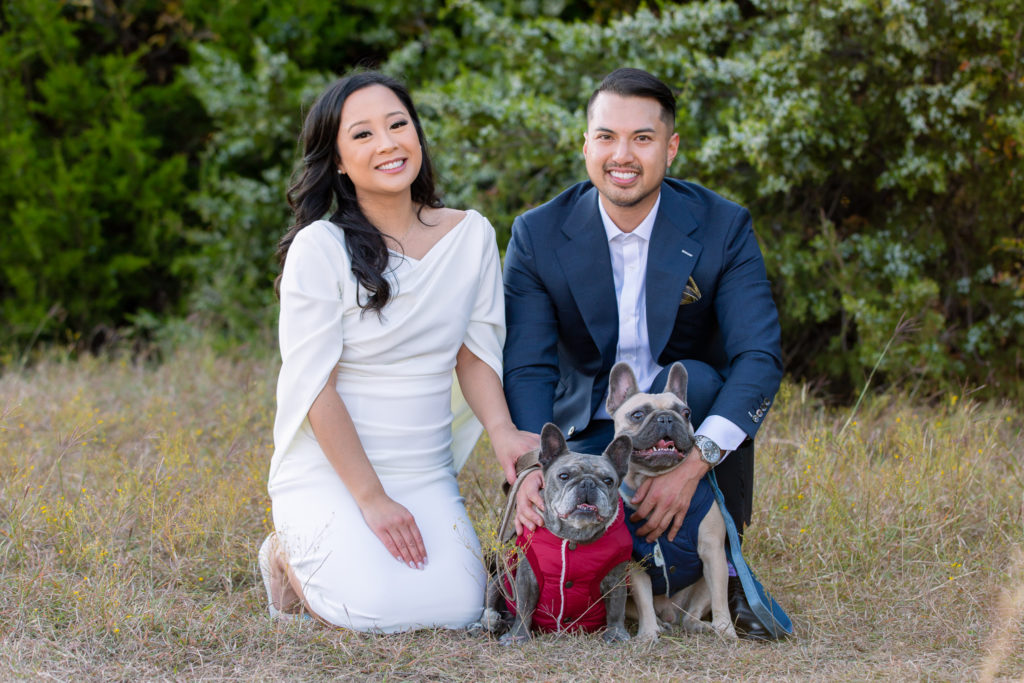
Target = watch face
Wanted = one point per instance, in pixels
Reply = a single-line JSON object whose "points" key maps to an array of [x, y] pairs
{"points": [[709, 450]]}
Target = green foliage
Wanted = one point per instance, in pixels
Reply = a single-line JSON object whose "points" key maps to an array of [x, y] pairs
{"points": [[244, 171], [315, 34], [93, 211], [880, 147], [880, 150]]}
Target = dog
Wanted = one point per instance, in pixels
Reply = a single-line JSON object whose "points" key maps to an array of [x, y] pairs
{"points": [[569, 574], [660, 433]]}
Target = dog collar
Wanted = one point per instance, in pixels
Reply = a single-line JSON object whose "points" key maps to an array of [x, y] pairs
{"points": [[627, 493]]}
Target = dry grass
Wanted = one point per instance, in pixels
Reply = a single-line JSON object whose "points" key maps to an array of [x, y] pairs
{"points": [[132, 502]]}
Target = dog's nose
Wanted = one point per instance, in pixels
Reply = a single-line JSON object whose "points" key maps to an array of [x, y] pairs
{"points": [[665, 419], [587, 489]]}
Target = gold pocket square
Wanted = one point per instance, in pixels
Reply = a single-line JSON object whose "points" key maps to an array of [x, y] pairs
{"points": [[691, 294]]}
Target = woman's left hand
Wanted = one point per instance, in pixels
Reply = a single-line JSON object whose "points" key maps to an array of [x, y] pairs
{"points": [[509, 444]]}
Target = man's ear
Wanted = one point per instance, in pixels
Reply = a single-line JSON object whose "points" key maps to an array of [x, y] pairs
{"points": [[673, 149]]}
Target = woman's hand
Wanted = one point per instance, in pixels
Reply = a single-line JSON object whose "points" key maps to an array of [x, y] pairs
{"points": [[509, 445], [396, 528]]}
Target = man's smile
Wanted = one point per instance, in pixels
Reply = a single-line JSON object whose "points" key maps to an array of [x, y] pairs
{"points": [[623, 176]]}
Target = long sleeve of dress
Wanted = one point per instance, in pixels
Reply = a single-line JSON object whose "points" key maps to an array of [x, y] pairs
{"points": [[485, 336], [310, 327], [485, 333]]}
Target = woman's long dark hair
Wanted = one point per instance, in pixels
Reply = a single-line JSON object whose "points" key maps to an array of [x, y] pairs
{"points": [[319, 185]]}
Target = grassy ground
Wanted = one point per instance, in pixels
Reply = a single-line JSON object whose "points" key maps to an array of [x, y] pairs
{"points": [[133, 500]]}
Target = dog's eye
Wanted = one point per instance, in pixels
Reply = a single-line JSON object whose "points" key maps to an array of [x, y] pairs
{"points": [[636, 415], [563, 475], [608, 481], [686, 413]]}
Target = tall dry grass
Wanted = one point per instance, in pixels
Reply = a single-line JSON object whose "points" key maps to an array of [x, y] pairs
{"points": [[133, 499]]}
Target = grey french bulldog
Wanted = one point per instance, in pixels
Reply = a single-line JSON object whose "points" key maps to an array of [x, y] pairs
{"points": [[661, 435], [581, 504]]}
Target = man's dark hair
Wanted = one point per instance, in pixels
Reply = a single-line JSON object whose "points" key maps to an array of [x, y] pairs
{"points": [[628, 82]]}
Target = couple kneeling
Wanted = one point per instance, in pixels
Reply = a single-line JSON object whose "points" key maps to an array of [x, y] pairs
{"points": [[380, 302]]}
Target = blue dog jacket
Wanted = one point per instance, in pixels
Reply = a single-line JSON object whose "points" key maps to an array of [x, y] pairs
{"points": [[672, 566]]}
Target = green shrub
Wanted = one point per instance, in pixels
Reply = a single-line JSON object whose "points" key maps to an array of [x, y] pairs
{"points": [[245, 170], [880, 148], [93, 212]]}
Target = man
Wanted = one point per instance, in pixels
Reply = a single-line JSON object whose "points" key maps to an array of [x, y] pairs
{"points": [[632, 266]]}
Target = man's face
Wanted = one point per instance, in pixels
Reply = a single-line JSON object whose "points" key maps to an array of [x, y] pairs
{"points": [[628, 147]]}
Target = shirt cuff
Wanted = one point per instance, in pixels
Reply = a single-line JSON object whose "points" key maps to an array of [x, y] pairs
{"points": [[723, 432]]}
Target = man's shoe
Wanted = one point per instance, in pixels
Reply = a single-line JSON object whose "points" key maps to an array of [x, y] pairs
{"points": [[748, 626]]}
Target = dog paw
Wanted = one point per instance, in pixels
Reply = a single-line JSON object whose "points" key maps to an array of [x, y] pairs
{"points": [[491, 620], [512, 639], [648, 635], [615, 634], [726, 630]]}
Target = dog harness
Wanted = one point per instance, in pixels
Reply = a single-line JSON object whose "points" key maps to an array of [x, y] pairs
{"points": [[569, 576], [672, 566]]}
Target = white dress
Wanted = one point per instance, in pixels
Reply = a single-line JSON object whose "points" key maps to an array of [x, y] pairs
{"points": [[395, 378]]}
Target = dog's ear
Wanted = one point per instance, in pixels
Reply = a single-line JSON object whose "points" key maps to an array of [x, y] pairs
{"points": [[552, 445], [618, 452], [621, 385], [676, 382]]}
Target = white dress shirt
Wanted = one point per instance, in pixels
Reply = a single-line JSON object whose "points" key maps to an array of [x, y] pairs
{"points": [[628, 252]]}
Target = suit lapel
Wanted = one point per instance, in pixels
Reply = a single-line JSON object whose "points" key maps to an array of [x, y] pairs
{"points": [[588, 270], [670, 260]]}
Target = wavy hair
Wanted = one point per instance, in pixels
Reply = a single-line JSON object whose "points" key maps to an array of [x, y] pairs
{"points": [[319, 187]]}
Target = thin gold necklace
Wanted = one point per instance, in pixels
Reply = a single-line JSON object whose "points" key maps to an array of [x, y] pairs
{"points": [[399, 240]]}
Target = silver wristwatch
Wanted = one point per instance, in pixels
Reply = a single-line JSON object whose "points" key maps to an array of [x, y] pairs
{"points": [[709, 450]]}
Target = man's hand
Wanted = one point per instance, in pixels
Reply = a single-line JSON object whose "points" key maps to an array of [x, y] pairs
{"points": [[663, 501], [509, 445], [528, 496]]}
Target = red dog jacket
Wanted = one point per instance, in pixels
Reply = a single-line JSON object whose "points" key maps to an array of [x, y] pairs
{"points": [[569, 575]]}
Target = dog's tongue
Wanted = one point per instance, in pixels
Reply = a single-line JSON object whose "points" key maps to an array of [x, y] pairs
{"points": [[665, 445]]}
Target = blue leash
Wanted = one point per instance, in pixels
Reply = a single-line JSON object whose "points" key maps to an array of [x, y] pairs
{"points": [[761, 602]]}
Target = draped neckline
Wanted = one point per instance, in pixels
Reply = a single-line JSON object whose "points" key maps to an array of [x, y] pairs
{"points": [[434, 247]]}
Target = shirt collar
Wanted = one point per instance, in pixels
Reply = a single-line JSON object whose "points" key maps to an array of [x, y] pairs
{"points": [[643, 231]]}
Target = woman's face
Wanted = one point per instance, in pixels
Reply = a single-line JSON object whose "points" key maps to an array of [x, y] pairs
{"points": [[377, 143]]}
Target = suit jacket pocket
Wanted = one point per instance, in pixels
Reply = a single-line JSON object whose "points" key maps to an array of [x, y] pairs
{"points": [[691, 294]]}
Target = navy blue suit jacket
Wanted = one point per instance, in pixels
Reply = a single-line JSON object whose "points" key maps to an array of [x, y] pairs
{"points": [[562, 315]]}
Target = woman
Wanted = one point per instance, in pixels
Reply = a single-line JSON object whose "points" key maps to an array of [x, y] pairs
{"points": [[378, 304]]}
